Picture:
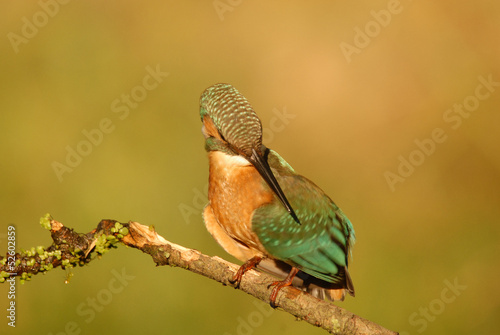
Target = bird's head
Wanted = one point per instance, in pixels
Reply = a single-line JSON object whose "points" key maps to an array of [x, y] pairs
{"points": [[230, 125], [230, 120]]}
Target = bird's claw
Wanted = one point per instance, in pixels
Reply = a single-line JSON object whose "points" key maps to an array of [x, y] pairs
{"points": [[278, 285], [248, 265]]}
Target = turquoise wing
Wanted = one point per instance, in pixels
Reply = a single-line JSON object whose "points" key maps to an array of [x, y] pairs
{"points": [[320, 245]]}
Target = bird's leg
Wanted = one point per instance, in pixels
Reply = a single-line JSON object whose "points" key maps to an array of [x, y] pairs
{"points": [[278, 285], [248, 265]]}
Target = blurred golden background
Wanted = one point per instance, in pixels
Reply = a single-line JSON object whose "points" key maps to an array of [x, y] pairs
{"points": [[392, 107]]}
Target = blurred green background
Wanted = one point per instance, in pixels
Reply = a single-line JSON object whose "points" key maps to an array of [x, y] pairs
{"points": [[360, 85]]}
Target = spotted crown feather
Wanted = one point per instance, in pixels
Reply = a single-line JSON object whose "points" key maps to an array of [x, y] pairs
{"points": [[233, 116]]}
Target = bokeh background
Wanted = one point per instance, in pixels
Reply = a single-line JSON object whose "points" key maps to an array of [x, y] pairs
{"points": [[343, 97]]}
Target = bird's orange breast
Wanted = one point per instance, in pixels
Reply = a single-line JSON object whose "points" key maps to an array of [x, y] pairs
{"points": [[235, 190]]}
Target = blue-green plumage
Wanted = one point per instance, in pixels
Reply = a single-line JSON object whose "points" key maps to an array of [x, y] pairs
{"points": [[320, 245]]}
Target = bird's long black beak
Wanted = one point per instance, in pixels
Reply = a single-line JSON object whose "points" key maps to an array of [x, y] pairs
{"points": [[262, 166]]}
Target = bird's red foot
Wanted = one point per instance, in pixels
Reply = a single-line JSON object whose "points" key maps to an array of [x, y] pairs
{"points": [[250, 264], [278, 285]]}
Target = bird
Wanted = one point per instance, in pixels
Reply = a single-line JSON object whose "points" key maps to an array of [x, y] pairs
{"points": [[264, 213]]}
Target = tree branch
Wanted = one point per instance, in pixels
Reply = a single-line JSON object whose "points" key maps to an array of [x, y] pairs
{"points": [[70, 249]]}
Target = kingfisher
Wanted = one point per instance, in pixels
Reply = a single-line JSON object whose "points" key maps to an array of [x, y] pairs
{"points": [[264, 213]]}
